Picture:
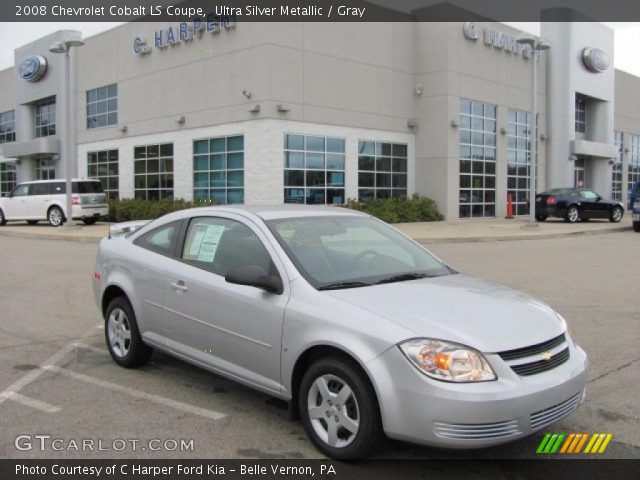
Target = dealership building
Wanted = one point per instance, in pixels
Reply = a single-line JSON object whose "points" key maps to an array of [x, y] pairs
{"points": [[320, 113]]}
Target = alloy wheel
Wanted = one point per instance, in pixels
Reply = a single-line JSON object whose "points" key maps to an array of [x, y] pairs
{"points": [[55, 216], [573, 214], [119, 332], [617, 214], [333, 411]]}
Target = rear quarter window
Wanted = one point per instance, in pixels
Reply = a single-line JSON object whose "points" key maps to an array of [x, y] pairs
{"points": [[87, 187]]}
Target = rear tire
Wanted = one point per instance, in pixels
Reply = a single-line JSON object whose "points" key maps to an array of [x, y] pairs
{"points": [[32, 222], [573, 214], [122, 335], [636, 226], [3, 221], [616, 214], [55, 216], [339, 409], [89, 221], [541, 218]]}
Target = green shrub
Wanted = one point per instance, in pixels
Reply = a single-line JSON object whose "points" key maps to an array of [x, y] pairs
{"points": [[399, 210], [131, 209]]}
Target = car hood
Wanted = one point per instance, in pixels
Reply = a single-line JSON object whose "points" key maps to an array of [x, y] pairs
{"points": [[460, 308]]}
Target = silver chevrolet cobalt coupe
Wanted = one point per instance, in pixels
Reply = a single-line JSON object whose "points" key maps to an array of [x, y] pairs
{"points": [[364, 331]]}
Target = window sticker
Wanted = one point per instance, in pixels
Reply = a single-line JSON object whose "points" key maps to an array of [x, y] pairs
{"points": [[205, 241]]}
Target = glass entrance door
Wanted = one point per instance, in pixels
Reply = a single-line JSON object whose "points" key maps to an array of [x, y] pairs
{"points": [[578, 173], [45, 168]]}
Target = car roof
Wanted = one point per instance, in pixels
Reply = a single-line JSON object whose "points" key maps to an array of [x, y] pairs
{"points": [[270, 212]]}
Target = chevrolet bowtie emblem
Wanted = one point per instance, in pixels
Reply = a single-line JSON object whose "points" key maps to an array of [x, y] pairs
{"points": [[546, 356]]}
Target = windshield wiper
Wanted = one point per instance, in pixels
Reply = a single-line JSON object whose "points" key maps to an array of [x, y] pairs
{"points": [[341, 285], [403, 277]]}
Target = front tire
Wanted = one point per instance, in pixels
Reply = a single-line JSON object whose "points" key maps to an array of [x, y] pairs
{"points": [[55, 216], [616, 215], [573, 214], [122, 335], [89, 221], [339, 409], [636, 226]]}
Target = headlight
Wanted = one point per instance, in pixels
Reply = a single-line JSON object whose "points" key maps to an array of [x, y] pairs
{"points": [[446, 361]]}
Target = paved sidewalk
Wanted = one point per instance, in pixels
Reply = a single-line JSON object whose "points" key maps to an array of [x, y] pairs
{"points": [[472, 230]]}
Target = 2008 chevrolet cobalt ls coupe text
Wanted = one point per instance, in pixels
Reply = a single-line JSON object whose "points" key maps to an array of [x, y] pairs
{"points": [[363, 330]]}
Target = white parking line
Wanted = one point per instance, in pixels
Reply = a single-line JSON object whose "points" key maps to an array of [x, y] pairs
{"points": [[185, 407], [19, 384], [31, 402], [91, 348]]}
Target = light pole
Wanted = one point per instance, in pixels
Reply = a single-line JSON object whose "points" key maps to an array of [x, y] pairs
{"points": [[537, 45], [70, 39]]}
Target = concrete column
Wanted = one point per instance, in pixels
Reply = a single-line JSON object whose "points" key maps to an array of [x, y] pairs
{"points": [[626, 155], [501, 162]]}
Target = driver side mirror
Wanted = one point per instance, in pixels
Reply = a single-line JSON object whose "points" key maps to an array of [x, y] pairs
{"points": [[255, 276]]}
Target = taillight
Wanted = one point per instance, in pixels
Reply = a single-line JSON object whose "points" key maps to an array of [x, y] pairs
{"points": [[75, 200], [552, 201], [97, 276]]}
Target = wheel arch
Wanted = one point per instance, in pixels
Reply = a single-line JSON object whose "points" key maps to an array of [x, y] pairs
{"points": [[52, 205], [111, 292], [314, 353]]}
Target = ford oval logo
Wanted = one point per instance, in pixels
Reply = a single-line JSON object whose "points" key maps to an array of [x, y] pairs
{"points": [[595, 59], [33, 68]]}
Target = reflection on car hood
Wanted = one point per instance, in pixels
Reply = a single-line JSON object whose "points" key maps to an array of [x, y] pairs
{"points": [[460, 308]]}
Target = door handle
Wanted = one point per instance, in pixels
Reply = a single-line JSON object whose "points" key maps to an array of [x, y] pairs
{"points": [[180, 286]]}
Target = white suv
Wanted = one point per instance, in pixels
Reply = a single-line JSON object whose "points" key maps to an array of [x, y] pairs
{"points": [[46, 200]]}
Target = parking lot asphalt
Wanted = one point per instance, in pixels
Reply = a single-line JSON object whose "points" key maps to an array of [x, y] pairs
{"points": [[57, 379]]}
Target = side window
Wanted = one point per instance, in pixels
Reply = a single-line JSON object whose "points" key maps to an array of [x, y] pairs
{"points": [[39, 189], [21, 191], [161, 240], [219, 245], [57, 188], [589, 195]]}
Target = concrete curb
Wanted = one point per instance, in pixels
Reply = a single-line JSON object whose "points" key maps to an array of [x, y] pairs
{"points": [[51, 236], [505, 238], [424, 240]]}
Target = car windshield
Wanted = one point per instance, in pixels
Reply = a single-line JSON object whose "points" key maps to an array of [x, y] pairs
{"points": [[337, 252]]}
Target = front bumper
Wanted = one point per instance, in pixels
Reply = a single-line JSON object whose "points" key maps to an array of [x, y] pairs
{"points": [[419, 409]]}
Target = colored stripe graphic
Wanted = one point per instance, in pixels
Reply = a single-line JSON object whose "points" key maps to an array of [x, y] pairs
{"points": [[567, 443], [605, 443], [573, 443], [543, 442], [581, 443]]}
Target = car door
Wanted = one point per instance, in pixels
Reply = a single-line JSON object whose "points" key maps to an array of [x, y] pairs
{"points": [[152, 253], [36, 202], [16, 204], [588, 202], [235, 329]]}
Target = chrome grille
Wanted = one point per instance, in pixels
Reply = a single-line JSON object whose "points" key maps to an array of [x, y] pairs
{"points": [[552, 414], [533, 349], [476, 431]]}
